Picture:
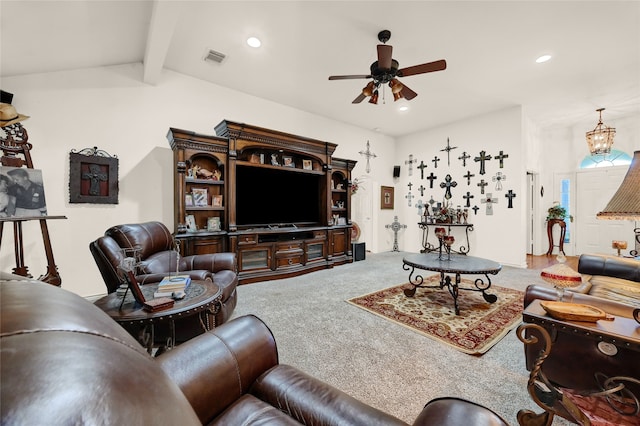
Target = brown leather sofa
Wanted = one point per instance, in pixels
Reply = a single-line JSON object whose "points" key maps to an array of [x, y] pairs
{"points": [[63, 361], [158, 258]]}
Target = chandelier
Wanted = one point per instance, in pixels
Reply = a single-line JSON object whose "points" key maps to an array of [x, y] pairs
{"points": [[601, 138]]}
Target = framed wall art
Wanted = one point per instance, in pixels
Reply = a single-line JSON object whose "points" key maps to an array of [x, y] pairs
{"points": [[93, 177], [386, 197]]}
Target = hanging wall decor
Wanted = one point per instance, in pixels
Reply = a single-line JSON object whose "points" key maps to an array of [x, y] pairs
{"points": [[448, 149], [435, 161], [475, 209], [464, 157], [498, 178], [409, 197], [422, 166], [482, 184], [489, 201], [481, 159], [468, 197], [421, 189], [501, 158], [447, 184], [431, 178], [510, 195], [367, 153], [93, 177], [420, 205], [468, 176], [386, 197], [410, 163]]}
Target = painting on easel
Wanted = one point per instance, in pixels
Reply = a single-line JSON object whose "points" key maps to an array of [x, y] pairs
{"points": [[21, 192]]}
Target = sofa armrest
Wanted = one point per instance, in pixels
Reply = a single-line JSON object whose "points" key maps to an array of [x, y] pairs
{"points": [[213, 262], [610, 266], [216, 368], [457, 411]]}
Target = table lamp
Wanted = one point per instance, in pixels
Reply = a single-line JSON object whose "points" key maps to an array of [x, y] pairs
{"points": [[561, 276]]}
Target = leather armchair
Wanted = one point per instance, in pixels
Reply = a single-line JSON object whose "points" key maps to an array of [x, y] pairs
{"points": [[227, 376], [158, 258]]}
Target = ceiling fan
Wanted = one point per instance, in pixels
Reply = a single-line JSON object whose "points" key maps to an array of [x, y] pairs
{"points": [[385, 71]]}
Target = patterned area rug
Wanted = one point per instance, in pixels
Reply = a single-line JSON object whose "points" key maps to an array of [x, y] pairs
{"points": [[430, 312]]}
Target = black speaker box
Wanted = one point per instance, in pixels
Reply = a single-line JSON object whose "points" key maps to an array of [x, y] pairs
{"points": [[396, 171], [358, 251]]}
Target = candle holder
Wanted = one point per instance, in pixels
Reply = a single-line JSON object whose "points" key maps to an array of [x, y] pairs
{"points": [[448, 242]]}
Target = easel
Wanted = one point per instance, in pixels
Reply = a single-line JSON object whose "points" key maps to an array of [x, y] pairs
{"points": [[13, 145]]}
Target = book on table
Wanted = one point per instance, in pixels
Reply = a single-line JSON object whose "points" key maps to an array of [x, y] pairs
{"points": [[172, 284]]}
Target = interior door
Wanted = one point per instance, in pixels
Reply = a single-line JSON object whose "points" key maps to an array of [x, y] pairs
{"points": [[595, 187], [362, 210]]}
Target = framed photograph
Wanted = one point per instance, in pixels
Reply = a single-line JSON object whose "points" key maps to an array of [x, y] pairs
{"points": [[190, 221], [188, 200], [134, 287], [213, 224], [216, 201], [93, 178], [199, 197], [287, 161], [307, 164], [386, 197], [21, 192]]}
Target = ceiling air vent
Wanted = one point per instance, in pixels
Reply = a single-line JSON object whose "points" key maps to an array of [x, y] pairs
{"points": [[212, 55]]}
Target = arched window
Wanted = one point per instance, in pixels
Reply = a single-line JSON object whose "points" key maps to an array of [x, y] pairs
{"points": [[614, 158]]}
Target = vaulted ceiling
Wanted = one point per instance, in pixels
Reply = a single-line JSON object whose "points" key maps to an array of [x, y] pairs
{"points": [[490, 48]]}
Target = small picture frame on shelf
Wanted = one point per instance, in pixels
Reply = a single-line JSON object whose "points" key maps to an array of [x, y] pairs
{"points": [[190, 221], [199, 197], [307, 164], [188, 200], [287, 161], [386, 197], [213, 224], [216, 201]]}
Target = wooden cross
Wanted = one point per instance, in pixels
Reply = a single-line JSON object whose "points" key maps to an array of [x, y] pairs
{"points": [[482, 184], [409, 197], [464, 157], [431, 177], [410, 161], [489, 201], [420, 206], [95, 176], [421, 189], [448, 149], [510, 195], [410, 185], [435, 161], [367, 153], [448, 184], [482, 158], [498, 178], [468, 197], [395, 227], [501, 157], [468, 176], [422, 166], [475, 210]]}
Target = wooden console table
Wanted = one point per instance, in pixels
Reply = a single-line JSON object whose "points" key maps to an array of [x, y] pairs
{"points": [[563, 231], [52, 276]]}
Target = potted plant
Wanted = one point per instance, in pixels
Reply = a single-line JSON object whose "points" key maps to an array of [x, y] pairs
{"points": [[558, 212]]}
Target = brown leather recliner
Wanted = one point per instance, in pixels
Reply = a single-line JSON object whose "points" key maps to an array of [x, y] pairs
{"points": [[158, 257], [64, 361]]}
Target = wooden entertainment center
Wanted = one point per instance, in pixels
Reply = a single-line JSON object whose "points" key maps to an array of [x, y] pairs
{"points": [[281, 202]]}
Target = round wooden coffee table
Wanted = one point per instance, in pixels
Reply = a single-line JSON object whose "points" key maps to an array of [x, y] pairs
{"points": [[202, 299]]}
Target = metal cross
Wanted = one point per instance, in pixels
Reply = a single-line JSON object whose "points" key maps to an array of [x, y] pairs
{"points": [[482, 184], [482, 158], [421, 189], [422, 166], [95, 176], [410, 161], [475, 209], [431, 201], [448, 149], [468, 176], [410, 185], [448, 184], [395, 227], [468, 197], [409, 197], [435, 161], [367, 153], [501, 157], [464, 157], [420, 206], [489, 201], [498, 178], [431, 177], [510, 195]]}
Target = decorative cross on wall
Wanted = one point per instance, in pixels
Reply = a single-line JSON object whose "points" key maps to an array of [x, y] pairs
{"points": [[510, 195], [409, 197], [410, 162], [431, 201], [421, 189], [468, 197], [420, 206], [95, 176], [367, 153], [410, 185], [448, 149], [435, 161], [395, 227], [489, 201], [422, 166], [475, 210], [468, 176], [464, 157], [482, 184], [501, 157], [498, 178], [431, 177], [448, 184], [482, 158]]}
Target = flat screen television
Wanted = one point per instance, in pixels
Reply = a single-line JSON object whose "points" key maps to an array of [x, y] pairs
{"points": [[282, 197]]}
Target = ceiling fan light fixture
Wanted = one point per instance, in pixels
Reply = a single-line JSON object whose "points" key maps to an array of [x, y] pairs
{"points": [[600, 139], [374, 97], [368, 89], [396, 86], [397, 96]]}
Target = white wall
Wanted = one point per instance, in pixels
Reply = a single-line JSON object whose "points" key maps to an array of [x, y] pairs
{"points": [[112, 109], [495, 236]]}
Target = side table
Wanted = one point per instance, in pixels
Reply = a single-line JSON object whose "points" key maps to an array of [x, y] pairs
{"points": [[202, 299], [563, 231]]}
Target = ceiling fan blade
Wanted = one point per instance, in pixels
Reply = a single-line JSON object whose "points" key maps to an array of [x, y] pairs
{"points": [[359, 99], [384, 56], [348, 77], [407, 93], [423, 68]]}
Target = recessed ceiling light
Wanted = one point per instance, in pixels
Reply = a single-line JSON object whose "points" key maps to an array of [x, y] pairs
{"points": [[543, 58], [254, 42], [404, 108]]}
